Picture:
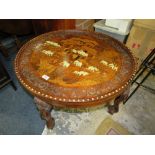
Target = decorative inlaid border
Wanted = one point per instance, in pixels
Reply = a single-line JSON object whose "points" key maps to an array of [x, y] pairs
{"points": [[45, 94]]}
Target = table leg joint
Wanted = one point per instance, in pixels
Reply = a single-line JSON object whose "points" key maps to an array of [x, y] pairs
{"points": [[45, 112], [114, 107]]}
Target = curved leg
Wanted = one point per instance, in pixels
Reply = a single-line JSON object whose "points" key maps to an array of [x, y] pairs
{"points": [[45, 112], [114, 107]]}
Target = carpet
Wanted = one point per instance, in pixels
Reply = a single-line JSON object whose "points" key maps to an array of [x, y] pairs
{"points": [[110, 127], [18, 113]]}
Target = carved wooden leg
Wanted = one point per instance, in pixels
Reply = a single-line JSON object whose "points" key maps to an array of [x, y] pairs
{"points": [[114, 107], [45, 112]]}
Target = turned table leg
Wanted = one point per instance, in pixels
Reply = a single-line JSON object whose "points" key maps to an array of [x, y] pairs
{"points": [[114, 107], [45, 112]]}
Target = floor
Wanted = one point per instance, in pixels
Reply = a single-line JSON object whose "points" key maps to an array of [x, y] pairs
{"points": [[137, 116], [18, 113]]}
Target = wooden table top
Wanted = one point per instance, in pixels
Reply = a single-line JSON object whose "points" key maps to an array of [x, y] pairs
{"points": [[75, 68]]}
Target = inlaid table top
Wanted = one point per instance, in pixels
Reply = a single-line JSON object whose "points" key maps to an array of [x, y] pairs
{"points": [[74, 68]]}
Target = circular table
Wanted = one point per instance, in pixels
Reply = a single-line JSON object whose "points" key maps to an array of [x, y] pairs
{"points": [[75, 69]]}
